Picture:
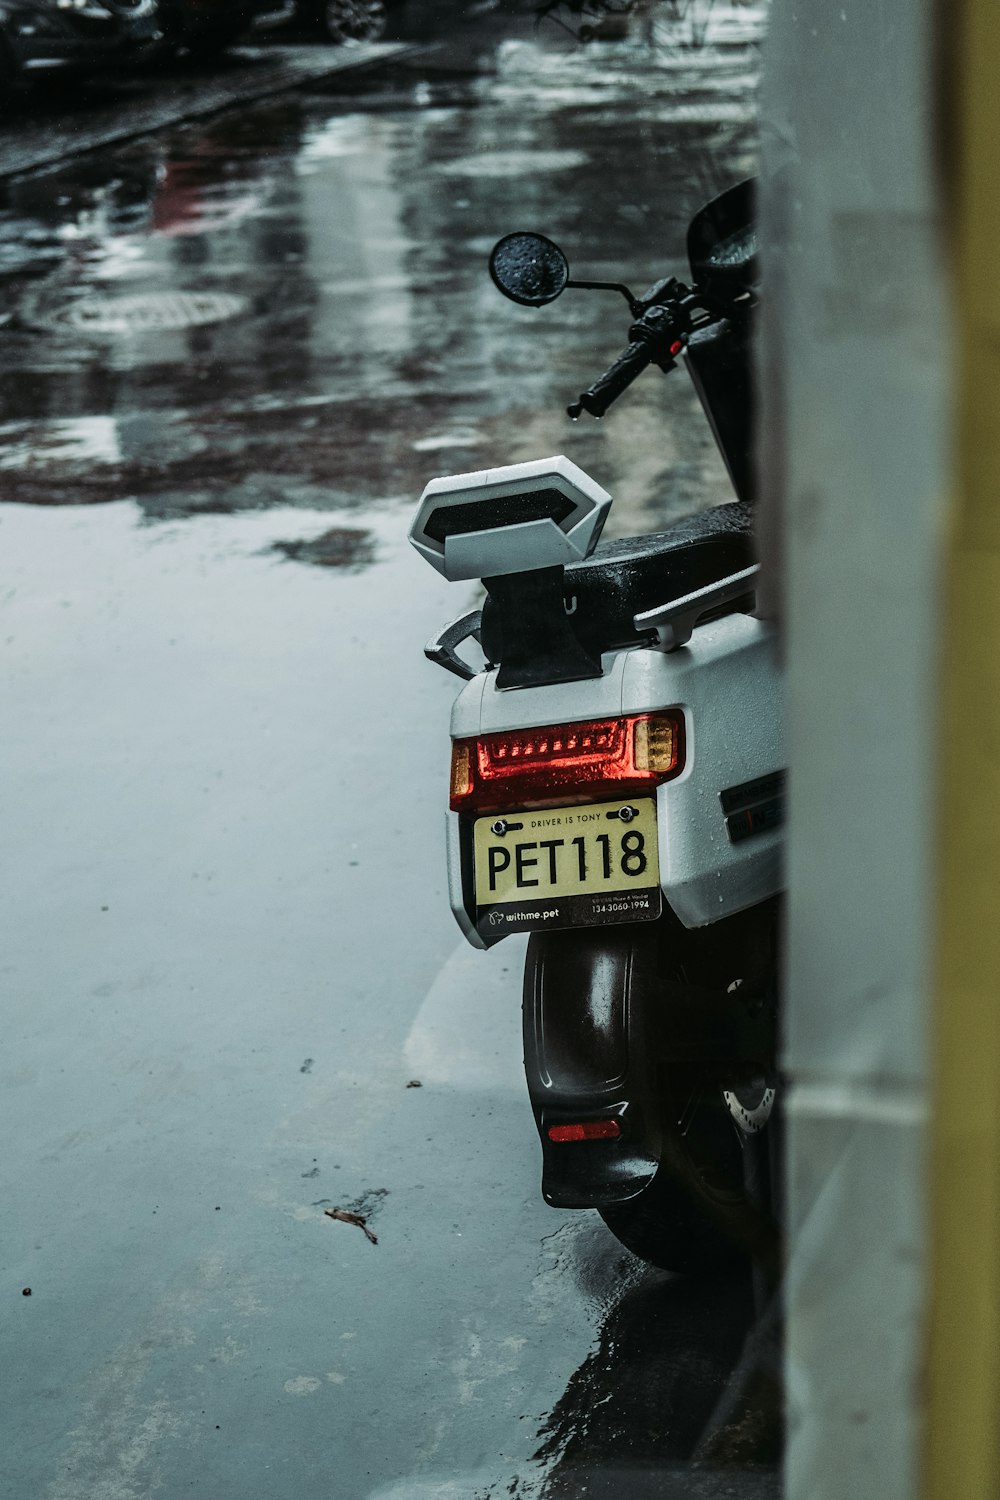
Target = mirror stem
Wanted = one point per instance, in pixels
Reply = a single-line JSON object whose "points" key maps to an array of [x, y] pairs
{"points": [[608, 286]]}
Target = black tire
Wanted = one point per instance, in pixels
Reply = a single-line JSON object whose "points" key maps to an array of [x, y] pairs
{"points": [[710, 1203], [708, 1206], [347, 22]]}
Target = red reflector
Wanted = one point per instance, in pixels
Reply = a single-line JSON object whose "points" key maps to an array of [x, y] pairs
{"points": [[566, 762], [589, 1130], [676, 347]]}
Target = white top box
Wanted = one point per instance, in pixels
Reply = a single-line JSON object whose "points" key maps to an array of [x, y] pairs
{"points": [[509, 520]]}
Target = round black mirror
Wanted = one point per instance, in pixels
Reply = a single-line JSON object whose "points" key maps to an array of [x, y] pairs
{"points": [[529, 269]]}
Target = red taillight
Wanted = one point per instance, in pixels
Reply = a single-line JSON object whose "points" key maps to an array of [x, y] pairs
{"points": [[587, 1130], [561, 762]]}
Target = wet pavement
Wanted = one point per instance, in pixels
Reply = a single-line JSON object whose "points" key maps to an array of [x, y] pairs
{"points": [[74, 116], [233, 353]]}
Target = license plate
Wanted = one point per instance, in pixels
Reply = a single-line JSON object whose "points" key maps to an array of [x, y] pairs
{"points": [[567, 867]]}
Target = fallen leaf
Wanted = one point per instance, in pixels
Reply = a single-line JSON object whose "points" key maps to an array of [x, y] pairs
{"points": [[346, 1217]]}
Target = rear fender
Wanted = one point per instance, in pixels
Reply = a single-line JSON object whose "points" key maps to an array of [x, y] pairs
{"points": [[587, 1055], [611, 1014]]}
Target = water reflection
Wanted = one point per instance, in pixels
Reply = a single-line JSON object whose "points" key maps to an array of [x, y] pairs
{"points": [[365, 336], [646, 1403]]}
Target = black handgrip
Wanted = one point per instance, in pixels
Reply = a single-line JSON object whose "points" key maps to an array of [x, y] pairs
{"points": [[611, 384]]}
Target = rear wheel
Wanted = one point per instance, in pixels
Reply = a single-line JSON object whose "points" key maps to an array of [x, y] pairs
{"points": [[711, 1201], [709, 1204]]}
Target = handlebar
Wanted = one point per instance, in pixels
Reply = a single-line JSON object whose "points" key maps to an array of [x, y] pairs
{"points": [[609, 386], [656, 336]]}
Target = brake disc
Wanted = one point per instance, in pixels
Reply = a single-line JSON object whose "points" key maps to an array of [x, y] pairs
{"points": [[750, 1105]]}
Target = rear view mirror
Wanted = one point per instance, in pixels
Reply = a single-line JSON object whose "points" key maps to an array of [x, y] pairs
{"points": [[528, 268]]}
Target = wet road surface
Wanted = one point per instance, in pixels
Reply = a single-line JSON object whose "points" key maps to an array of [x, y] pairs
{"points": [[71, 117], [233, 353]]}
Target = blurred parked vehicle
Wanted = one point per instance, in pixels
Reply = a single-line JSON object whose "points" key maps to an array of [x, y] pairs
{"points": [[206, 27], [44, 36], [345, 21]]}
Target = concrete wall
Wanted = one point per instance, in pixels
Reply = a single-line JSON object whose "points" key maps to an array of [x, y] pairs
{"points": [[854, 443]]}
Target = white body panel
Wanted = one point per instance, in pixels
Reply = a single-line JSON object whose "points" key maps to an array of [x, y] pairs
{"points": [[726, 681]]}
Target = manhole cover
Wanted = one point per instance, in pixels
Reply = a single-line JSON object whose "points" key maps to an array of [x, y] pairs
{"points": [[158, 312]]}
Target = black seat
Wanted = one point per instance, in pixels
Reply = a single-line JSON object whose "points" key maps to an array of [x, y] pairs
{"points": [[623, 578]]}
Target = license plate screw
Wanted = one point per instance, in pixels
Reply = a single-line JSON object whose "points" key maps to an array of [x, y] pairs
{"points": [[499, 827], [628, 813]]}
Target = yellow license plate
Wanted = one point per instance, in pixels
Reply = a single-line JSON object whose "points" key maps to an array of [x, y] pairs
{"points": [[567, 866]]}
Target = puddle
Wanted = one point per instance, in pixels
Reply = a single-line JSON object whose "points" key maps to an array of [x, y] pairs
{"points": [[512, 163], [145, 313], [466, 437], [330, 253], [340, 547], [667, 1386], [78, 440]]}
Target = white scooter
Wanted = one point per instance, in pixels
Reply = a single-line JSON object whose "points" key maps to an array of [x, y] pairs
{"points": [[617, 786]]}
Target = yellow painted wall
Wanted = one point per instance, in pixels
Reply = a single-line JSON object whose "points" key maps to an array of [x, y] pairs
{"points": [[962, 1427]]}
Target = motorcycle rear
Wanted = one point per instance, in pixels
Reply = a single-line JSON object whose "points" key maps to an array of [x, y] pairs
{"points": [[617, 793]]}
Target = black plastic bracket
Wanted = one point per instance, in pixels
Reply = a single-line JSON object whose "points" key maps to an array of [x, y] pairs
{"points": [[539, 643], [442, 649]]}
